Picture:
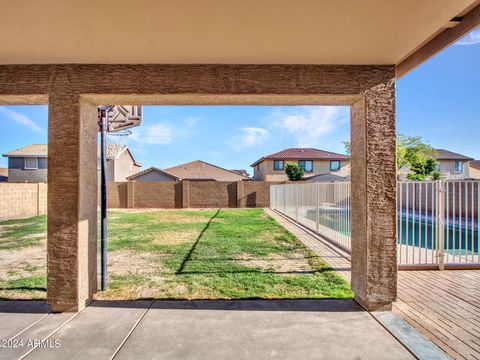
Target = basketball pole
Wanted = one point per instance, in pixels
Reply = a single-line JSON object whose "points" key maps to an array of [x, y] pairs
{"points": [[103, 123]]}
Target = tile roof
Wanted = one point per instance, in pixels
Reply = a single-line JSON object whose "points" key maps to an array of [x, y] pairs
{"points": [[41, 150], [303, 154], [34, 150], [449, 155], [475, 164], [201, 170]]}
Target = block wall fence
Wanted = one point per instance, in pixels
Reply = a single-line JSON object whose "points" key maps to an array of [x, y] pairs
{"points": [[188, 194], [20, 200]]}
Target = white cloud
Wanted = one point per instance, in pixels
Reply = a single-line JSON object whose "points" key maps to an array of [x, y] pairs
{"points": [[470, 39], [310, 126], [21, 119], [249, 137], [157, 134], [164, 133]]}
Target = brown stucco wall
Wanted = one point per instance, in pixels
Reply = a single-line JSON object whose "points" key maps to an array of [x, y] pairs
{"points": [[374, 219], [72, 92]]}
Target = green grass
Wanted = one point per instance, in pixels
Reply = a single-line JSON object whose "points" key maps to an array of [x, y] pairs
{"points": [[32, 287], [193, 254], [220, 260], [21, 233]]}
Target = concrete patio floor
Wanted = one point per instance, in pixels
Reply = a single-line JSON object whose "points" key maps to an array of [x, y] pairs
{"points": [[251, 329]]}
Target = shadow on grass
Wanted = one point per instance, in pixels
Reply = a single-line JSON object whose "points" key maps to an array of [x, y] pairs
{"points": [[256, 271], [23, 288], [187, 257]]}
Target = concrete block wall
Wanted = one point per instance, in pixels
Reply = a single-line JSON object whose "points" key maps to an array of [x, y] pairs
{"points": [[20, 200], [116, 195], [212, 194], [166, 195], [188, 194]]}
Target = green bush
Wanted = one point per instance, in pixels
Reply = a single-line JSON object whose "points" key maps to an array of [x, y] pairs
{"points": [[294, 171]]}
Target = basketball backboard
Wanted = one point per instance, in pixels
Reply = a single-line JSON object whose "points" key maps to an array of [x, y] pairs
{"points": [[122, 117]]}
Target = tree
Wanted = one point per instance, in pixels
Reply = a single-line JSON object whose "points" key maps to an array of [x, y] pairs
{"points": [[293, 171], [415, 154], [347, 147], [418, 156]]}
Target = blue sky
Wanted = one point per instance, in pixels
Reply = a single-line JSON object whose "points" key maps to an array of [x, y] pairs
{"points": [[440, 101]]}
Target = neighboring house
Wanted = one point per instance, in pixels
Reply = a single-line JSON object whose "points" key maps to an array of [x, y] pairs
{"points": [[3, 174], [326, 178], [195, 170], [29, 163], [120, 163], [313, 161], [153, 174], [241, 172], [474, 169], [453, 165]]}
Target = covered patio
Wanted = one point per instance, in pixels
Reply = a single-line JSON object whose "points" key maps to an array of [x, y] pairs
{"points": [[77, 56]]}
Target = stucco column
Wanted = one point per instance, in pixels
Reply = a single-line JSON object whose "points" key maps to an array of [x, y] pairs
{"points": [[72, 202], [373, 147]]}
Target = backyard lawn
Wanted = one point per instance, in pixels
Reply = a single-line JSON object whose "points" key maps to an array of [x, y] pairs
{"points": [[181, 254]]}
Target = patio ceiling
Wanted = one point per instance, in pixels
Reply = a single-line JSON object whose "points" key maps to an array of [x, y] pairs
{"points": [[221, 31]]}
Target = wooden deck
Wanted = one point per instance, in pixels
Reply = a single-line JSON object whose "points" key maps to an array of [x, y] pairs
{"points": [[442, 305]]}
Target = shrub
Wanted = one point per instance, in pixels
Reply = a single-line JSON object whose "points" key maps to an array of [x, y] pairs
{"points": [[294, 171]]}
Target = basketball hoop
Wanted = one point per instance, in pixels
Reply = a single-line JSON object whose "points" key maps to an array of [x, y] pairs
{"points": [[118, 138], [114, 122]]}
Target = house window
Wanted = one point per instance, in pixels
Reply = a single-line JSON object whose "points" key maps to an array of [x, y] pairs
{"points": [[31, 163], [458, 166], [278, 165], [306, 165], [334, 165]]}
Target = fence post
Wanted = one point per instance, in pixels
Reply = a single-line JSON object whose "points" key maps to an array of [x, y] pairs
{"points": [[296, 201], [130, 194], [441, 194], [317, 205]]}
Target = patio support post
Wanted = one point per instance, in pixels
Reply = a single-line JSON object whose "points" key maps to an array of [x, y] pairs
{"points": [[373, 156], [72, 202]]}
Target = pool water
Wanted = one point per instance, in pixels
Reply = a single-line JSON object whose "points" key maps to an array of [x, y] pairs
{"points": [[459, 239]]}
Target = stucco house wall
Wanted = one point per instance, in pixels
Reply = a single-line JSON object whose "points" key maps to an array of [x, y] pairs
{"points": [[153, 176], [474, 172], [124, 166], [447, 167], [264, 170], [18, 174]]}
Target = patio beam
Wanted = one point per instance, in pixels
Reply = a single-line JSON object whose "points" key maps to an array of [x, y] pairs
{"points": [[448, 36], [134, 81]]}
